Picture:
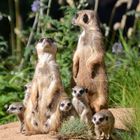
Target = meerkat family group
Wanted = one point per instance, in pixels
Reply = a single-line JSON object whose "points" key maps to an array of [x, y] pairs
{"points": [[46, 104]]}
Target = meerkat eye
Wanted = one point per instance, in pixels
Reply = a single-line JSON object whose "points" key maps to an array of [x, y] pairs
{"points": [[74, 91], [85, 18], [81, 91], [40, 40], [94, 119], [13, 108], [50, 40], [101, 119], [76, 16], [20, 108], [69, 104], [62, 105]]}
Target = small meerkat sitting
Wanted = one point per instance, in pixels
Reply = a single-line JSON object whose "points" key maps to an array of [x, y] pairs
{"points": [[67, 109], [104, 124], [80, 103], [27, 93], [18, 109]]}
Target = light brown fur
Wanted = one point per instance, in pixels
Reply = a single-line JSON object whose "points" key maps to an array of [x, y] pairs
{"points": [[81, 104], [88, 60], [46, 90], [104, 124]]}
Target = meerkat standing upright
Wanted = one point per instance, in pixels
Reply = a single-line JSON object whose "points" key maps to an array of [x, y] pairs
{"points": [[103, 123], [80, 103], [88, 60], [46, 91]]}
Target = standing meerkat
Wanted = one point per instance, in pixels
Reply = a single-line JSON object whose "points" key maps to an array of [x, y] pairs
{"points": [[104, 124], [46, 90], [88, 60], [80, 103], [18, 109]]}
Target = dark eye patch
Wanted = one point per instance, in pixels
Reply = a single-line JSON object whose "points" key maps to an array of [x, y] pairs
{"points": [[62, 104], [101, 119], [74, 91], [69, 104], [20, 108], [50, 40], [13, 108], [81, 91], [85, 18], [94, 119], [40, 40], [76, 16]]}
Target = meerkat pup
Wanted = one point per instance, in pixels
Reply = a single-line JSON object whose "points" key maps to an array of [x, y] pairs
{"points": [[27, 93], [104, 124], [80, 103], [88, 60], [46, 91], [18, 109], [67, 110]]}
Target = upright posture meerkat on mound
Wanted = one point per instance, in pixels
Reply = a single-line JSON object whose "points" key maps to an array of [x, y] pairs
{"points": [[104, 124], [46, 90], [18, 109], [80, 102], [88, 60]]}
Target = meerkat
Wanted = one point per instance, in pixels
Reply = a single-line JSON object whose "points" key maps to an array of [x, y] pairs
{"points": [[67, 110], [81, 104], [27, 93], [46, 90], [103, 123], [18, 109], [88, 60]]}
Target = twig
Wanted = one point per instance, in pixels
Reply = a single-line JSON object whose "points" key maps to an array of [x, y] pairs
{"points": [[96, 5]]}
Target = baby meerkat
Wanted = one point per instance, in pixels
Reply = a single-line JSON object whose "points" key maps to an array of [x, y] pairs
{"points": [[18, 109], [27, 93], [80, 103], [67, 109], [88, 60], [104, 124]]}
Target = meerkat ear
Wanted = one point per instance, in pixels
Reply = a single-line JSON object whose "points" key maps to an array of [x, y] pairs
{"points": [[85, 18]]}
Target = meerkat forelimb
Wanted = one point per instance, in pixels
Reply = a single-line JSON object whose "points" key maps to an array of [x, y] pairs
{"points": [[103, 124], [81, 104], [88, 60], [17, 109]]}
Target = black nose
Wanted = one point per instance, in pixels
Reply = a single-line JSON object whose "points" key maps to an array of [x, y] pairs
{"points": [[97, 123]]}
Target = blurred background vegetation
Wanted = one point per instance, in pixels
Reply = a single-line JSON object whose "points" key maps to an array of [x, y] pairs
{"points": [[22, 23]]}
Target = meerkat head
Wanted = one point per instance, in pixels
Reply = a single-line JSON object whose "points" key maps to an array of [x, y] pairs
{"points": [[27, 88], [79, 92], [16, 108], [100, 119], [46, 45], [65, 105], [86, 19]]}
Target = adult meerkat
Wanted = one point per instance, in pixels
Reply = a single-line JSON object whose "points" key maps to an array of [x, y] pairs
{"points": [[80, 103], [18, 109], [46, 90], [104, 124], [27, 93], [88, 60]]}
